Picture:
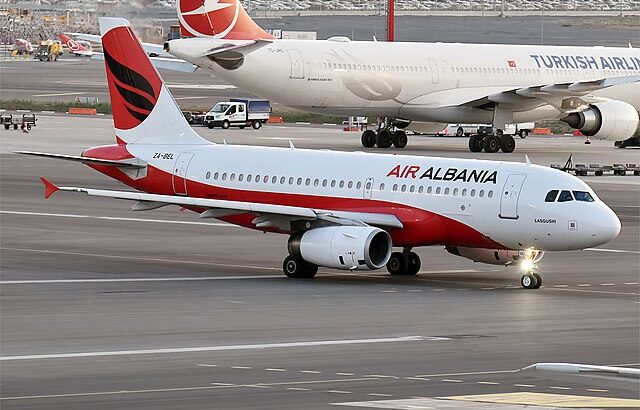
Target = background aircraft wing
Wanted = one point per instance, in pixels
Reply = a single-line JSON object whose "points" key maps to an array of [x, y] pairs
{"points": [[149, 48], [267, 215], [173, 64], [566, 96]]}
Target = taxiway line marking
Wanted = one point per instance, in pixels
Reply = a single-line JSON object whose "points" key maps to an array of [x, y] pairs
{"points": [[312, 343], [56, 94], [118, 218], [53, 281], [468, 373], [137, 258], [176, 389]]}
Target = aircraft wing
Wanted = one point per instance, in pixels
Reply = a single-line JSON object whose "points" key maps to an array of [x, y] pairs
{"points": [[267, 215], [605, 376], [173, 64], [566, 97]]}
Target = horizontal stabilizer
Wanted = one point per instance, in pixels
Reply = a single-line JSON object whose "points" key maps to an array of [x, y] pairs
{"points": [[124, 163]]}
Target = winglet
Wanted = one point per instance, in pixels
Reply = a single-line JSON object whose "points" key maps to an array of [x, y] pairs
{"points": [[49, 187]]}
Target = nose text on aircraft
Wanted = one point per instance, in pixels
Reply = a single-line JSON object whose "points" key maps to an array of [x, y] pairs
{"points": [[586, 62], [483, 176]]}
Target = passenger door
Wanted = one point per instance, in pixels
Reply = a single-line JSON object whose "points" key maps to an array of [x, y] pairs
{"points": [[510, 195], [179, 177], [435, 75], [297, 64]]}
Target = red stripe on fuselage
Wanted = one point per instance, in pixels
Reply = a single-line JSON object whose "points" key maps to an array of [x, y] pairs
{"points": [[421, 227]]}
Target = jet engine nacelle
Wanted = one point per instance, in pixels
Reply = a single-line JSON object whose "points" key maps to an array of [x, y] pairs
{"points": [[609, 120], [495, 256], [343, 247]]}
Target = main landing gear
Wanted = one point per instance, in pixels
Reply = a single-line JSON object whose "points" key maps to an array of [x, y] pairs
{"points": [[404, 263], [492, 142], [295, 267], [386, 135]]}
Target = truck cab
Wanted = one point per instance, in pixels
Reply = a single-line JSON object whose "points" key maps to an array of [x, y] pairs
{"points": [[239, 113]]}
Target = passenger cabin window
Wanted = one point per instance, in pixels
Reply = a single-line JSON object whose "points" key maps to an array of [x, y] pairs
{"points": [[565, 196], [583, 196], [551, 196]]}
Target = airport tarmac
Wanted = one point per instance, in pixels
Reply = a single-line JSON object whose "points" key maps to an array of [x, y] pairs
{"points": [[105, 308]]}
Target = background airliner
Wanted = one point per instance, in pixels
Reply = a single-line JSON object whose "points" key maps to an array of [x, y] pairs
{"points": [[341, 210], [593, 89]]}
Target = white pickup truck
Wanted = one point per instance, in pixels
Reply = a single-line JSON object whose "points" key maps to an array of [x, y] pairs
{"points": [[460, 130], [238, 112]]}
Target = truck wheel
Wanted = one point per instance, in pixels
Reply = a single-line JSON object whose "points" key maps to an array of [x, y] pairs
{"points": [[523, 134], [210, 126], [460, 132], [6, 126], [256, 125], [241, 127], [225, 124]]}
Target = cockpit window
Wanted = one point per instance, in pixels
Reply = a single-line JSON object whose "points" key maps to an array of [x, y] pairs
{"points": [[551, 196], [565, 196], [583, 196]]}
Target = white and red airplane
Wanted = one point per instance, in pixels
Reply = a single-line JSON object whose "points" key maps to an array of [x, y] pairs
{"points": [[342, 210], [75, 47], [594, 89]]}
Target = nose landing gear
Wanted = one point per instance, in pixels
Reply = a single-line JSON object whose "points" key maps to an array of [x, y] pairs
{"points": [[531, 279]]}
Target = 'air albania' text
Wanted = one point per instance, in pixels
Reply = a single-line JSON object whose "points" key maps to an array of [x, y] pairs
{"points": [[450, 174]]}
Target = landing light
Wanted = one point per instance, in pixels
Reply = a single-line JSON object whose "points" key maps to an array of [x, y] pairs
{"points": [[527, 265]]}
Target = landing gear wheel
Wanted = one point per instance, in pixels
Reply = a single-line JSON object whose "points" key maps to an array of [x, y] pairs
{"points": [[460, 132], [399, 139], [368, 139], [413, 267], [383, 139], [507, 143], [476, 143], [256, 125], [491, 143], [538, 279], [298, 268], [397, 264], [529, 281], [225, 124]]}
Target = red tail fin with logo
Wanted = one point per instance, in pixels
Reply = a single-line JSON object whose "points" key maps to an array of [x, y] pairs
{"points": [[144, 111], [217, 18], [73, 45]]}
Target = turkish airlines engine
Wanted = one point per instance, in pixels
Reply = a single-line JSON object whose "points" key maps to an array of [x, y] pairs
{"points": [[341, 210], [594, 89]]}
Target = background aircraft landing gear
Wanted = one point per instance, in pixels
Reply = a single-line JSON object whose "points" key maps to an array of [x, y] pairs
{"points": [[404, 263], [531, 280], [298, 268], [492, 143], [386, 135]]}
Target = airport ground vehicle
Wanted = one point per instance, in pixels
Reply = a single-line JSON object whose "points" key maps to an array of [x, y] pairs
{"points": [[341, 210], [8, 121], [467, 130], [238, 112], [48, 50], [594, 89]]}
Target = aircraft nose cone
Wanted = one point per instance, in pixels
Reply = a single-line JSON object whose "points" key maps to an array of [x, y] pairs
{"points": [[608, 226]]}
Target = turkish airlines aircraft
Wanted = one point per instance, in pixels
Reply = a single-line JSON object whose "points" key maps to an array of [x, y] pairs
{"points": [[75, 47], [342, 210], [594, 89]]}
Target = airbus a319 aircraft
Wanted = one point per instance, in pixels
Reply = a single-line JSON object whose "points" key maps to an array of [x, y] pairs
{"points": [[594, 89], [341, 210]]}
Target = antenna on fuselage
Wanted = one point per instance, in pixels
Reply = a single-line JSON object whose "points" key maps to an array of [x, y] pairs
{"points": [[291, 145], [526, 159]]}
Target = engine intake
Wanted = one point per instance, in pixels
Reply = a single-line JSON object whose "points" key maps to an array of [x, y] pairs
{"points": [[608, 120], [343, 247]]}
